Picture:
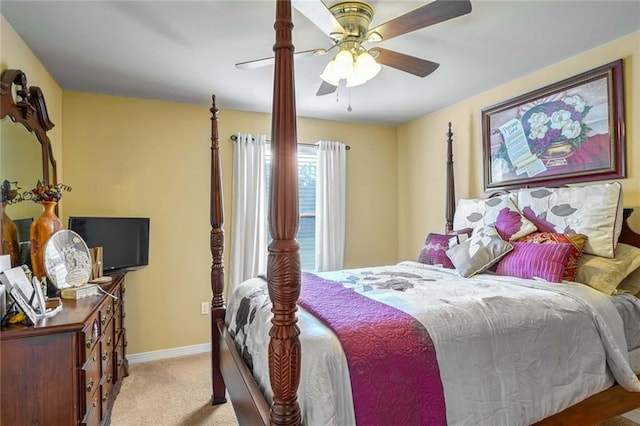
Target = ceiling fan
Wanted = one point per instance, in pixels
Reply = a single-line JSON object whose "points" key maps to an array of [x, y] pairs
{"points": [[347, 24]]}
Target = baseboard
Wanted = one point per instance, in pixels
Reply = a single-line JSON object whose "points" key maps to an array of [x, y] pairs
{"points": [[168, 353]]}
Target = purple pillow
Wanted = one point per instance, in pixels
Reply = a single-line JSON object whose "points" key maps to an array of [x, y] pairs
{"points": [[434, 250], [531, 260], [512, 225]]}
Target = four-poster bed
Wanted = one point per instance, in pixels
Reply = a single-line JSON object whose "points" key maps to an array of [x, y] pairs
{"points": [[229, 369]]}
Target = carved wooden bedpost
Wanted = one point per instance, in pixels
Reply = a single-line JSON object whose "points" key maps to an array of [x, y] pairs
{"points": [[217, 266], [283, 267], [450, 203]]}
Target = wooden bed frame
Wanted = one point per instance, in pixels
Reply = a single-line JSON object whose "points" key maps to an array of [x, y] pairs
{"points": [[283, 272]]}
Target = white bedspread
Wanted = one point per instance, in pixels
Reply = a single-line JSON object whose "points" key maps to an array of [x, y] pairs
{"points": [[510, 351]]}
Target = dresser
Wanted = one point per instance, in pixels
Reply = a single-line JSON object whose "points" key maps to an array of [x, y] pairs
{"points": [[68, 369]]}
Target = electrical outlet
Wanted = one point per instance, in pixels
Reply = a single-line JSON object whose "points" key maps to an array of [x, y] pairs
{"points": [[204, 308]]}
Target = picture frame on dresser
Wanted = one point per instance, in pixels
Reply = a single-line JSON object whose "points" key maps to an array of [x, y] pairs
{"points": [[569, 131]]}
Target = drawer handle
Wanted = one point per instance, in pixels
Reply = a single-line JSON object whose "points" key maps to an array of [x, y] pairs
{"points": [[94, 357], [89, 387], [104, 355], [103, 320], [89, 342], [95, 402], [109, 378], [124, 314], [104, 397], [119, 363], [117, 330], [108, 309], [109, 341]]}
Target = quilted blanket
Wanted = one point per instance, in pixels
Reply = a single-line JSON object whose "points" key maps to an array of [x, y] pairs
{"points": [[510, 351], [391, 359]]}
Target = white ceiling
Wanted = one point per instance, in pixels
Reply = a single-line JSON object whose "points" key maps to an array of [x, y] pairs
{"points": [[185, 51]]}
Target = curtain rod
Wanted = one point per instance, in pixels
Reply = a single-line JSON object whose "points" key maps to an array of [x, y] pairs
{"points": [[235, 138]]}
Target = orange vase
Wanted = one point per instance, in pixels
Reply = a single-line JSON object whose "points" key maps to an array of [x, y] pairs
{"points": [[10, 237], [41, 229]]}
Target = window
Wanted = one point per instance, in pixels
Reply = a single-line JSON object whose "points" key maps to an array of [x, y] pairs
{"points": [[307, 192]]}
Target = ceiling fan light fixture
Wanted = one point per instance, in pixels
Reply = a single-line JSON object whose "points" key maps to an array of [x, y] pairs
{"points": [[344, 64], [366, 66], [329, 74]]}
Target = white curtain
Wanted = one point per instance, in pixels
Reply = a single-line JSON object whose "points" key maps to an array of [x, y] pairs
{"points": [[331, 172], [249, 236]]}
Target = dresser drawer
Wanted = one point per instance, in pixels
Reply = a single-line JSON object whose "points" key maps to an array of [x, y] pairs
{"points": [[89, 336], [119, 360], [92, 415], [107, 345], [90, 379], [106, 311], [105, 389], [117, 321]]}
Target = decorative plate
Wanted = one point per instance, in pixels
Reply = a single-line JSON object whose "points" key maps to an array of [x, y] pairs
{"points": [[67, 260]]}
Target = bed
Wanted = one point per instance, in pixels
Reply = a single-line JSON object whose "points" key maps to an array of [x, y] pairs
{"points": [[603, 384]]}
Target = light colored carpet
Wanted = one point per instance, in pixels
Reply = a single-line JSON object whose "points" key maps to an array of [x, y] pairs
{"points": [[177, 391], [170, 392]]}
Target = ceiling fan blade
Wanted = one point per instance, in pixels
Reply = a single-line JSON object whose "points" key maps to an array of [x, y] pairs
{"points": [[406, 63], [325, 89], [429, 14], [264, 62], [317, 12]]}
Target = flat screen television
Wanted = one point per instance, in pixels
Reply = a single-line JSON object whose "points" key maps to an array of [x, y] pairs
{"points": [[124, 240]]}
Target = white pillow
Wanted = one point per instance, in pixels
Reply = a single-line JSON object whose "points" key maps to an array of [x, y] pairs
{"points": [[593, 210], [478, 213]]}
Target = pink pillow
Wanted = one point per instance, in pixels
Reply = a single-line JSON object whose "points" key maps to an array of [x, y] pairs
{"points": [[435, 246], [531, 260], [511, 225]]}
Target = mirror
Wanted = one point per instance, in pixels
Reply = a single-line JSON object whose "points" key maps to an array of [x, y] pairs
{"points": [[20, 161], [25, 155]]}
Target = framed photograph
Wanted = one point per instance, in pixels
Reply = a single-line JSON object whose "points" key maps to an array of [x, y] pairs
{"points": [[570, 131]]}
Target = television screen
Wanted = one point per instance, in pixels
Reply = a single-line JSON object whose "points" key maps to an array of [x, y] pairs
{"points": [[124, 240]]}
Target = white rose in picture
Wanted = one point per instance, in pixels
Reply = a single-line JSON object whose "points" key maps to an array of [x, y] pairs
{"points": [[559, 119], [571, 130], [576, 101]]}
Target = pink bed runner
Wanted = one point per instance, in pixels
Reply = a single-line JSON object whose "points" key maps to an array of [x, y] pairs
{"points": [[392, 362]]}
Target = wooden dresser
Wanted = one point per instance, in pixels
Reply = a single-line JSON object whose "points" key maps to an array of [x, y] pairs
{"points": [[67, 370]]}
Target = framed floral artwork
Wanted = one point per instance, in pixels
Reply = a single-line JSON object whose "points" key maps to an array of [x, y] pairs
{"points": [[570, 131]]}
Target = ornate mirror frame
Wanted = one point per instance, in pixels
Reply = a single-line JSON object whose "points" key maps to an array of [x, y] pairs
{"points": [[25, 104]]}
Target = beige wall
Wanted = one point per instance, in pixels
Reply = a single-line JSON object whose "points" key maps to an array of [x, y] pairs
{"points": [[422, 149], [133, 157]]}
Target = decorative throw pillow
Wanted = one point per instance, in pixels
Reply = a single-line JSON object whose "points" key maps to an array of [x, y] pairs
{"points": [[500, 211], [483, 249], [530, 260], [435, 246], [606, 274], [593, 210], [577, 242]]}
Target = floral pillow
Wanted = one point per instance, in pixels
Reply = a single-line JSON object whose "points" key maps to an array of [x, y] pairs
{"points": [[475, 255], [500, 211], [577, 242], [434, 250], [530, 260], [593, 210]]}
